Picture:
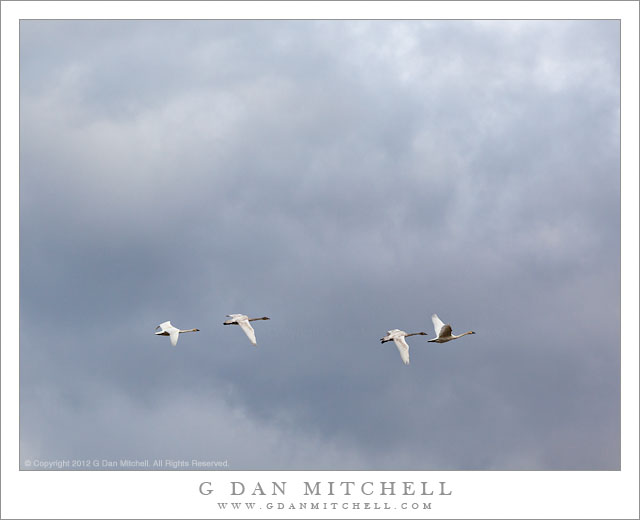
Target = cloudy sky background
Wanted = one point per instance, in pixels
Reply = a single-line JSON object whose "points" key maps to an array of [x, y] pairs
{"points": [[343, 178]]}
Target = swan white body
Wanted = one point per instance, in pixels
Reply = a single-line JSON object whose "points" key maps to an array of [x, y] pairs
{"points": [[443, 331], [166, 329], [243, 321], [397, 336]]}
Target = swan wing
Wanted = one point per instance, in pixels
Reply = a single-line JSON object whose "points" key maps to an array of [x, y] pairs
{"points": [[248, 330], [164, 326], [445, 331], [235, 318], [390, 334], [403, 348], [437, 324], [173, 335]]}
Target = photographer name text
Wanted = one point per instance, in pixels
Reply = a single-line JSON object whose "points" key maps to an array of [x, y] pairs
{"points": [[331, 488]]}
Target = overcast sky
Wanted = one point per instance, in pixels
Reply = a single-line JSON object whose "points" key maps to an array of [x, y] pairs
{"points": [[343, 178]]}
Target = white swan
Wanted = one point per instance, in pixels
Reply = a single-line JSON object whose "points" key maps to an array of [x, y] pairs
{"points": [[243, 321], [397, 336], [166, 329], [443, 332]]}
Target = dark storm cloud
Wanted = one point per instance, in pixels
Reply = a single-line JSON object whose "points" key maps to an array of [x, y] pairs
{"points": [[343, 178]]}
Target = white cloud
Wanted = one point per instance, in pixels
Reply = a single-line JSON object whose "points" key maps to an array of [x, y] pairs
{"points": [[185, 426]]}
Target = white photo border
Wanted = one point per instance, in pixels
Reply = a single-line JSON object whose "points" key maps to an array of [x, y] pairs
{"points": [[475, 494]]}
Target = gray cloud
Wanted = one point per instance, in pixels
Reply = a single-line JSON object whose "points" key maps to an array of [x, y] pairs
{"points": [[343, 178]]}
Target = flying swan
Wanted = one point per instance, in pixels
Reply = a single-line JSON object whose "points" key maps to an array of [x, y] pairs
{"points": [[443, 332], [397, 336], [166, 329], [243, 321]]}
